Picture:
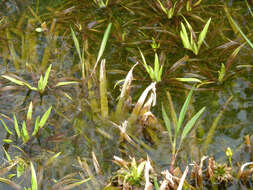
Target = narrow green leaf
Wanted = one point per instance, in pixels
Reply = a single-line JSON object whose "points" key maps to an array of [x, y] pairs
{"points": [[8, 141], [71, 186], [33, 177], [20, 168], [160, 74], [45, 79], [144, 61], [24, 133], [241, 32], [51, 159], [66, 83], [40, 83], [167, 123], [184, 37], [203, 34], [6, 128], [45, 117], [104, 41], [188, 80], [16, 81], [183, 111], [156, 68], [36, 126], [76, 42], [162, 7], [7, 155], [191, 123], [16, 126], [29, 112]]}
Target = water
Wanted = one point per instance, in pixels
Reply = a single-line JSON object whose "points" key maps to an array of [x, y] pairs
{"points": [[74, 128]]}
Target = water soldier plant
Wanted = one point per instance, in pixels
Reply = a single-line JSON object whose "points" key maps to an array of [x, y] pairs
{"points": [[191, 42], [175, 131], [25, 132]]}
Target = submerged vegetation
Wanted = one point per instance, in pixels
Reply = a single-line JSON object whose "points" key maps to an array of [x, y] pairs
{"points": [[83, 107]]}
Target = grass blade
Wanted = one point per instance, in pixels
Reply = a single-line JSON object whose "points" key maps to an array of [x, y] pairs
{"points": [[183, 111], [66, 83], [104, 41], [24, 133], [33, 178], [76, 42], [16, 81], [203, 34], [6, 128], [167, 123], [36, 126], [191, 123], [45, 80], [243, 35], [16, 126], [156, 69], [45, 117]]}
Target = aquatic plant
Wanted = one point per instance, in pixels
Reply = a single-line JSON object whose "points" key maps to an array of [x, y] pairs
{"points": [[26, 125], [191, 42], [156, 73], [177, 126]]}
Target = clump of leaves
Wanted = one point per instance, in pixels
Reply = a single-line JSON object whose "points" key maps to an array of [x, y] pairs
{"points": [[190, 42], [156, 73], [26, 125], [130, 173], [177, 125]]}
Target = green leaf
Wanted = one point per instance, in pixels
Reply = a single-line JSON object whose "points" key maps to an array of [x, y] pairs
{"points": [[51, 159], [241, 32], [24, 133], [6, 128], [7, 141], [183, 111], [66, 83], [40, 83], [16, 81], [29, 112], [45, 80], [188, 80], [184, 37], [7, 155], [45, 117], [144, 61], [16, 126], [221, 73], [191, 123], [167, 123], [76, 42], [36, 126], [104, 41], [20, 168], [203, 34], [33, 178], [156, 68], [160, 74]]}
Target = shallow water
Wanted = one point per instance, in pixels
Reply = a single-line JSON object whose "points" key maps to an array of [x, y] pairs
{"points": [[134, 26]]}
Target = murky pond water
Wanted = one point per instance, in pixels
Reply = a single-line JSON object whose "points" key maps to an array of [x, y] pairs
{"points": [[37, 34]]}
